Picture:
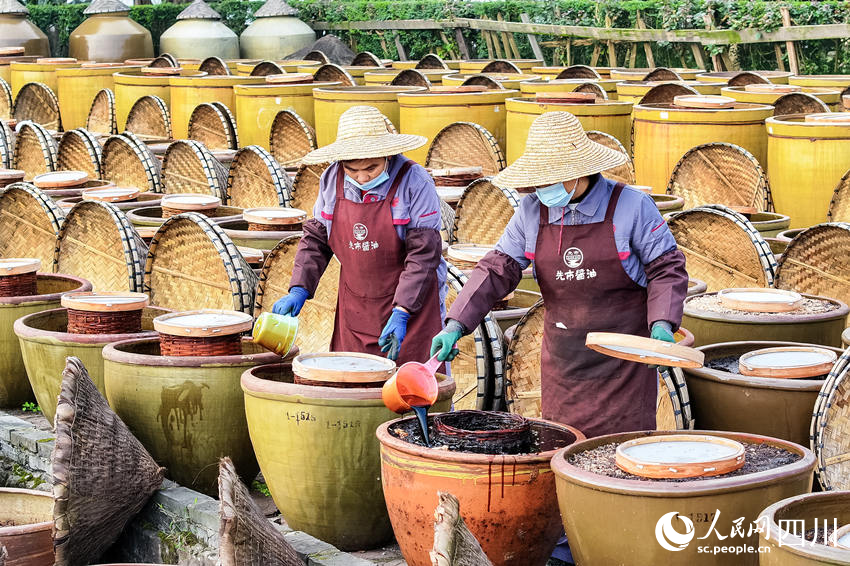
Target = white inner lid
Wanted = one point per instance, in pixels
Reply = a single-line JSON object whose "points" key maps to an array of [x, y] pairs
{"points": [[679, 452], [344, 363], [278, 212], [450, 193], [190, 199], [844, 540], [63, 176], [206, 319], [760, 297], [110, 192], [103, 299], [643, 353], [789, 359], [6, 264]]}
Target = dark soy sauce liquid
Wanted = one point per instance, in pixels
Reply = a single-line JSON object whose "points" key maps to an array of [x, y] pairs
{"points": [[422, 415]]}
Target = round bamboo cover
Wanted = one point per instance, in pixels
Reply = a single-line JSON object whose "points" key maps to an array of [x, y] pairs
{"points": [[831, 442], [839, 206], [30, 223], [624, 173], [98, 243], [291, 138], [231, 123], [410, 77], [35, 150], [817, 262], [666, 93], [5, 100], [305, 187], [798, 103], [722, 248], [366, 59], [678, 378], [483, 213], [487, 82], [211, 127], [579, 72], [501, 66], [464, 144], [214, 66], [7, 146], [101, 119], [256, 180], [333, 73], [477, 370], [522, 364], [662, 74], [447, 223], [149, 119], [316, 320], [317, 55], [189, 167], [720, 173], [747, 78], [668, 411], [192, 264], [128, 162], [591, 88], [37, 102], [431, 61], [79, 151], [164, 61], [265, 68]]}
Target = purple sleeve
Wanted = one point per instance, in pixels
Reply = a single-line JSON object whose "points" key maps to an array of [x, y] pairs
{"points": [[424, 248], [495, 276], [513, 242], [312, 257], [423, 202], [667, 287], [651, 237]]}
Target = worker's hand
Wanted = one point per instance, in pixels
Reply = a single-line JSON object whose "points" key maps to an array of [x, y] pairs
{"points": [[662, 330], [444, 344], [292, 303], [393, 333]]}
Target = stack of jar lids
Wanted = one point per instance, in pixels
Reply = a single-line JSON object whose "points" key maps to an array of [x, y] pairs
{"points": [[161, 71], [758, 299], [253, 256], [704, 101], [203, 332], [9, 176], [189, 202], [789, 362], [18, 276], [342, 369], [112, 194], [290, 78], [61, 180], [274, 219], [771, 88], [644, 350], [104, 312], [566, 97], [10, 51], [829, 117], [680, 456], [453, 181]]}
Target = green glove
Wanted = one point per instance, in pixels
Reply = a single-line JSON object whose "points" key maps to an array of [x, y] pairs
{"points": [[662, 330], [444, 343]]}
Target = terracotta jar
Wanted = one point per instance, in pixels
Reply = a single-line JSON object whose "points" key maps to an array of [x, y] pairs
{"points": [[109, 35], [18, 31]]}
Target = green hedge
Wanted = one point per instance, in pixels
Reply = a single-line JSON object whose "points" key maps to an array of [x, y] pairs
{"points": [[824, 56]]}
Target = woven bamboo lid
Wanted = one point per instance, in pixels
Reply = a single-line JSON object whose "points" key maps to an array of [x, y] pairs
{"points": [[266, 68], [101, 119], [29, 222], [723, 248], [7, 145], [291, 138], [317, 316], [431, 61], [839, 206], [366, 59], [98, 243], [680, 456], [305, 187], [5, 100], [35, 150], [212, 127], [105, 301], [274, 216], [18, 266], [720, 173], [161, 71], [500, 66], [257, 180], [624, 173], [189, 167], [578, 72], [704, 101], [830, 441], [214, 66], [817, 262], [290, 78], [149, 119], [522, 364], [465, 144], [60, 179], [666, 93], [37, 102], [192, 263], [203, 323], [760, 300], [668, 411], [791, 362], [799, 103], [111, 194], [411, 77], [334, 73], [644, 350], [316, 55], [662, 74], [128, 162], [79, 150], [483, 213], [190, 202], [343, 367]]}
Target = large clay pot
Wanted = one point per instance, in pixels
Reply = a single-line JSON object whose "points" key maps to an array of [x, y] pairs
{"points": [[46, 342], [16, 30], [318, 452], [14, 387], [613, 521], [258, 239], [721, 400], [187, 411], [507, 501], [275, 36], [110, 38], [29, 541], [77, 87]]}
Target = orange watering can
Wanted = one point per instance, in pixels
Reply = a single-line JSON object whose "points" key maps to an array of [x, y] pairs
{"points": [[413, 385]]}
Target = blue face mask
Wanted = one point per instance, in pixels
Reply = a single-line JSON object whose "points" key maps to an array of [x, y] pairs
{"points": [[369, 185], [555, 195]]}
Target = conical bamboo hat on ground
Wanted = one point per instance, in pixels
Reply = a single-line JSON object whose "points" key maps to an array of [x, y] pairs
{"points": [[245, 535], [102, 474], [454, 543], [30, 223]]}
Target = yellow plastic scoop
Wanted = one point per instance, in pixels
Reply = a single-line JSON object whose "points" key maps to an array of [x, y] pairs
{"points": [[276, 332]]}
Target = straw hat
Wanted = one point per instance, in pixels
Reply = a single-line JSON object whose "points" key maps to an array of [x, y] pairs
{"points": [[557, 150], [362, 134]]}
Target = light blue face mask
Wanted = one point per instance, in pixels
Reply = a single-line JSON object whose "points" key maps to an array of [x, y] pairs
{"points": [[555, 195], [369, 185]]}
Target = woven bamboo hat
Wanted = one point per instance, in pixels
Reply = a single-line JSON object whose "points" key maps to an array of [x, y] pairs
{"points": [[362, 134], [557, 150]]}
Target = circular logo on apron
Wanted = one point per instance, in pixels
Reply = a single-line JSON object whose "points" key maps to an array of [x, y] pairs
{"points": [[360, 231], [573, 257]]}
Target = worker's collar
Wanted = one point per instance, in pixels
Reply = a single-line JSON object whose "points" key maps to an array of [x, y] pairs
{"points": [[592, 198]]}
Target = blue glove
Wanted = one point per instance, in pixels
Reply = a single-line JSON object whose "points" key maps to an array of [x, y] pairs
{"points": [[393, 333], [444, 343], [662, 330], [292, 303]]}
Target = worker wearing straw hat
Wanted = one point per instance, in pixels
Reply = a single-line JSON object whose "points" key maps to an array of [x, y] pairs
{"points": [[605, 261], [379, 214]]}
